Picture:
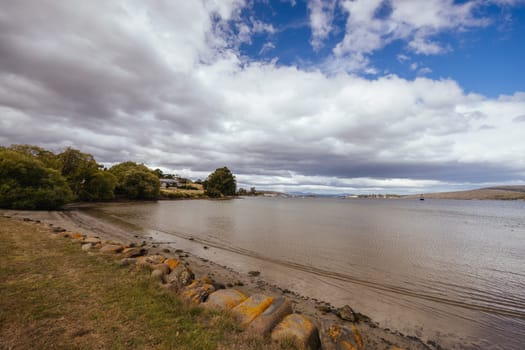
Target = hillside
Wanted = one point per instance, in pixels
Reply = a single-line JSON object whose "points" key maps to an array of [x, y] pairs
{"points": [[494, 193]]}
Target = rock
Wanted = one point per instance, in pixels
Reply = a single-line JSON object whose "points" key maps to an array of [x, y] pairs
{"points": [[300, 329], [77, 236], [93, 240], [127, 261], [58, 229], [87, 246], [324, 309], [111, 248], [254, 273], [225, 299], [346, 313], [149, 261], [158, 275], [336, 337], [218, 285], [172, 263], [165, 250], [113, 242], [264, 324], [163, 267], [197, 292], [252, 307], [179, 277], [134, 252]]}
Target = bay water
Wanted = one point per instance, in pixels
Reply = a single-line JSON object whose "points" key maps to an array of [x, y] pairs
{"points": [[447, 271]]}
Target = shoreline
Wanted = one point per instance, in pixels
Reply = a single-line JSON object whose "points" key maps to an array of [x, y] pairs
{"points": [[74, 220]]}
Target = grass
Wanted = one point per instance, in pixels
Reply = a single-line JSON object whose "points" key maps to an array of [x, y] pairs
{"points": [[53, 295]]}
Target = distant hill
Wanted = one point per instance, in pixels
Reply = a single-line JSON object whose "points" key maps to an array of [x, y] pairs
{"points": [[498, 192]]}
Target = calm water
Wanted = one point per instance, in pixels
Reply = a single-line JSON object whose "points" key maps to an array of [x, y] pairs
{"points": [[448, 271]]}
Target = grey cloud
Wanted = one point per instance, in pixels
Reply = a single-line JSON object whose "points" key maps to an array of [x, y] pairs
{"points": [[519, 119]]}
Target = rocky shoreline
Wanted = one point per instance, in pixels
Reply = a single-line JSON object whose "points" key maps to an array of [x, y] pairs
{"points": [[207, 275]]}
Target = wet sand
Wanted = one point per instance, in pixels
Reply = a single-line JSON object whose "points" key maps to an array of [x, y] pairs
{"points": [[74, 220]]}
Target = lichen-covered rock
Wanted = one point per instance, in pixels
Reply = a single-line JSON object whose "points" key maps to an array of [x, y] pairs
{"points": [[163, 267], [149, 261], [87, 246], [225, 299], [111, 248], [77, 236], [133, 252], [300, 329], [197, 292], [172, 263], [179, 277], [338, 337], [264, 324], [93, 240], [252, 307]]}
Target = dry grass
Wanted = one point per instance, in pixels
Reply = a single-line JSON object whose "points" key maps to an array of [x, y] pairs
{"points": [[55, 296]]}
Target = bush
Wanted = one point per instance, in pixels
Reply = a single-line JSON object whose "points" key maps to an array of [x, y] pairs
{"points": [[26, 183], [136, 181]]}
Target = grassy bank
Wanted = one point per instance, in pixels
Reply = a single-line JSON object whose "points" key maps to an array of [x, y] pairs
{"points": [[53, 295]]}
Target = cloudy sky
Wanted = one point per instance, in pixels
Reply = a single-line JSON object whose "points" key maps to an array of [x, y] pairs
{"points": [[333, 96]]}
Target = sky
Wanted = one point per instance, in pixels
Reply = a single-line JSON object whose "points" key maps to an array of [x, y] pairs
{"points": [[334, 96]]}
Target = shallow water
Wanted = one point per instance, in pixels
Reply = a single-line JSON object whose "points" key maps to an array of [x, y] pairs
{"points": [[448, 271]]}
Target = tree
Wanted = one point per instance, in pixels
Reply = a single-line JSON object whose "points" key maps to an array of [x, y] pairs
{"points": [[26, 183], [85, 177], [135, 181], [220, 183]]}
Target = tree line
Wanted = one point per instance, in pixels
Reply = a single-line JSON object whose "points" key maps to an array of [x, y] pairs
{"points": [[34, 178]]}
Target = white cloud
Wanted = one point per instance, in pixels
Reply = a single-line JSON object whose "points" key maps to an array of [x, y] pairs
{"points": [[321, 17], [418, 23]]}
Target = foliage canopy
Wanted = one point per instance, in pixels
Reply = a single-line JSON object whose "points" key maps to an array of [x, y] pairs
{"points": [[220, 183]]}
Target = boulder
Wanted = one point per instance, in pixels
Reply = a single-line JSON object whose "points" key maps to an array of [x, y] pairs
{"points": [[264, 324], [158, 275], [87, 246], [197, 292], [128, 261], [172, 263], [251, 308], [149, 261], [179, 277], [111, 248], [93, 240], [346, 313], [338, 337], [225, 299], [299, 329], [77, 236], [133, 252], [112, 242], [162, 267]]}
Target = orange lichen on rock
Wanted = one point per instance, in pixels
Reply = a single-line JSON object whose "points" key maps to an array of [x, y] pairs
{"points": [[76, 235], [252, 307], [357, 337], [299, 328], [172, 263]]}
